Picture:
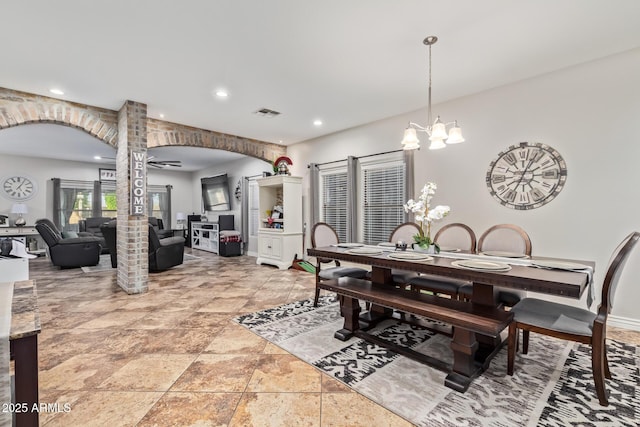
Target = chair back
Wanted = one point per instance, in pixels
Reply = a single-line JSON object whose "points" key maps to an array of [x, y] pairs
{"points": [[505, 237], [157, 223], [154, 240], [456, 235], [48, 231], [322, 234], [616, 264], [404, 232]]}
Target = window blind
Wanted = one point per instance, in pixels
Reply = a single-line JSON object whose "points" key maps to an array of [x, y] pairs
{"points": [[334, 201], [382, 200]]}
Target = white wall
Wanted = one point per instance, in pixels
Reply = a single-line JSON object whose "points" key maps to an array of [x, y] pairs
{"points": [[589, 113]]}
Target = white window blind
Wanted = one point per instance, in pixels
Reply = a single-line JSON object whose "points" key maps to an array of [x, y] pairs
{"points": [[333, 203], [382, 199]]}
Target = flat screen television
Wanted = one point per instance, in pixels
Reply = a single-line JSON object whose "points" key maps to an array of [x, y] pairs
{"points": [[215, 193]]}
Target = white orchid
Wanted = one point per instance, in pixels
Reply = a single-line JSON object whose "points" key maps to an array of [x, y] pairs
{"points": [[425, 215]]}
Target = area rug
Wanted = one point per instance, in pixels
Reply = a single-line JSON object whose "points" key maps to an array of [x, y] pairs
{"points": [[552, 385], [105, 264]]}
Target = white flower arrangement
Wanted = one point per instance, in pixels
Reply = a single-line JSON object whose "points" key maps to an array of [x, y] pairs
{"points": [[425, 215]]}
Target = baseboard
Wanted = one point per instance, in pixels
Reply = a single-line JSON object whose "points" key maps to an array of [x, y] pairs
{"points": [[624, 322], [252, 253]]}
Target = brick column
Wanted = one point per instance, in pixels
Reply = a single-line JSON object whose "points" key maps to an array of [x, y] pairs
{"points": [[133, 231]]}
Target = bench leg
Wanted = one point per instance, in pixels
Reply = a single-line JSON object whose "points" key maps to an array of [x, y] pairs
{"points": [[464, 346], [350, 309]]}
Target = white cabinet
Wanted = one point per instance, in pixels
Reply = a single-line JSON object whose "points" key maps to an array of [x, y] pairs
{"points": [[204, 236], [280, 239]]}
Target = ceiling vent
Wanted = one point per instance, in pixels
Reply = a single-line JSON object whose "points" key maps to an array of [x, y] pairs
{"points": [[266, 112]]}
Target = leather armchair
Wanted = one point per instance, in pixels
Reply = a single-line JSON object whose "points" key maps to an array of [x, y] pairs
{"points": [[158, 226], [91, 227], [163, 253], [71, 251]]}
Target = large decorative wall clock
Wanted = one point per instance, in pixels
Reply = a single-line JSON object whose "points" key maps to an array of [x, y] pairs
{"points": [[526, 175], [18, 187]]}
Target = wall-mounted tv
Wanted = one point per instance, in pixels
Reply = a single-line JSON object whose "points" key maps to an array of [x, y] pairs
{"points": [[215, 193]]}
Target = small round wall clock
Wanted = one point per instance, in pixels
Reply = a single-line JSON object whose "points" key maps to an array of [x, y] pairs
{"points": [[18, 187], [526, 175]]}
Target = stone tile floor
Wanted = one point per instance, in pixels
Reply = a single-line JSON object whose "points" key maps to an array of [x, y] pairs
{"points": [[173, 357]]}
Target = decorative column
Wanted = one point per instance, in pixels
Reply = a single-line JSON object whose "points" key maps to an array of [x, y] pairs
{"points": [[131, 192]]}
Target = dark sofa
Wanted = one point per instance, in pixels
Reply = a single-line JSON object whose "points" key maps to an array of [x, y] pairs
{"points": [[91, 227], [71, 251], [163, 253]]}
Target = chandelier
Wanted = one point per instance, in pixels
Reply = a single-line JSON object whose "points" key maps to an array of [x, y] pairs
{"points": [[438, 130]]}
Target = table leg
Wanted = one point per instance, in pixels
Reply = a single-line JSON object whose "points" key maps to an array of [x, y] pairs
{"points": [[464, 346], [376, 313], [488, 346], [25, 354], [350, 309]]}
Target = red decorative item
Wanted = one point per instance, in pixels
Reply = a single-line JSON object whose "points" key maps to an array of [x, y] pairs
{"points": [[281, 164]]}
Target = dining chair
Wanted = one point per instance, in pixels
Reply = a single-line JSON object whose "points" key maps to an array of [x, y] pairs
{"points": [[322, 234], [505, 238], [573, 323], [403, 232], [456, 235]]}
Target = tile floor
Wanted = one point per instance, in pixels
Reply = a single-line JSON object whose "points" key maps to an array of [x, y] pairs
{"points": [[173, 357]]}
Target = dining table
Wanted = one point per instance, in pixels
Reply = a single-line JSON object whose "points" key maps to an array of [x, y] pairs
{"points": [[486, 272]]}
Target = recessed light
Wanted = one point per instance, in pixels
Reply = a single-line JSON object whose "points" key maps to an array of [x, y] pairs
{"points": [[317, 122], [56, 91], [222, 93], [97, 157], [161, 116]]}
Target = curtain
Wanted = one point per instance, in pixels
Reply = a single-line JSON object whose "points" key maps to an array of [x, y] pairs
{"points": [[96, 202], [352, 199], [314, 193], [409, 180], [56, 203], [69, 196]]}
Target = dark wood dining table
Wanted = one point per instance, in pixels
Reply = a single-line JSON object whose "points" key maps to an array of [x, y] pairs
{"points": [[570, 284]]}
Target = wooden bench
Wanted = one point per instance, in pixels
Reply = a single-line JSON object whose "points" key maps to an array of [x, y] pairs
{"points": [[466, 318]]}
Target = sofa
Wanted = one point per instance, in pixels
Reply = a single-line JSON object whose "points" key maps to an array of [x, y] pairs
{"points": [[70, 251], [163, 253], [158, 226], [91, 227]]}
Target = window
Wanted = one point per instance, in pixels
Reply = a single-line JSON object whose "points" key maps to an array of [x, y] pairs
{"points": [[377, 198], [382, 196], [77, 200], [333, 200]]}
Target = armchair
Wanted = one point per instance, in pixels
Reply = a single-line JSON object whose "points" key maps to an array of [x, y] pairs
{"points": [[91, 227], [163, 253], [72, 251], [158, 226]]}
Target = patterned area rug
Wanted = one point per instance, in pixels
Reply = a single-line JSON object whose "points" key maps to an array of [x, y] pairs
{"points": [[105, 264], [552, 385]]}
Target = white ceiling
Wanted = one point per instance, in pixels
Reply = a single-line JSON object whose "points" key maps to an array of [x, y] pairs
{"points": [[344, 62]]}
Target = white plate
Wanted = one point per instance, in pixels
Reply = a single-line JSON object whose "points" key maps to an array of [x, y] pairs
{"points": [[504, 254], [365, 251], [350, 245], [387, 244], [449, 249], [410, 256], [559, 265], [481, 265]]}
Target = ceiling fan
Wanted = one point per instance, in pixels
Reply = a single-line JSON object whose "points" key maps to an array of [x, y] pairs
{"points": [[158, 164]]}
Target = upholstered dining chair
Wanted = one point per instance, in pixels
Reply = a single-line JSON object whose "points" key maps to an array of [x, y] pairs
{"points": [[455, 235], [322, 234], [403, 232], [573, 323], [504, 238]]}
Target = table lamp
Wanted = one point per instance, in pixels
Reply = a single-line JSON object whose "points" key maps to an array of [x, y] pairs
{"points": [[20, 208], [180, 219]]}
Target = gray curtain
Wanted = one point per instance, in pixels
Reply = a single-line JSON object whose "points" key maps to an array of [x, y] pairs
{"points": [[352, 199], [56, 202], [165, 204], [409, 180], [68, 198], [314, 193], [96, 204]]}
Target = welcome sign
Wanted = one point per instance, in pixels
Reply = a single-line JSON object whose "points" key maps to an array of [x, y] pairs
{"points": [[138, 174]]}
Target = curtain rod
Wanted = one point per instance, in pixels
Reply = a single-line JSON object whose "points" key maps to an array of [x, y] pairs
{"points": [[361, 157]]}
